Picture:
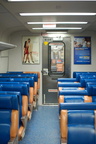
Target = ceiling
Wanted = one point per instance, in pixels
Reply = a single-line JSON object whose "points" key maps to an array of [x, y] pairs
{"points": [[10, 19]]}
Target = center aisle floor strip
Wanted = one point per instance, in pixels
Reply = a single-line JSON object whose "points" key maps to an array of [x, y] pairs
{"points": [[43, 128]]}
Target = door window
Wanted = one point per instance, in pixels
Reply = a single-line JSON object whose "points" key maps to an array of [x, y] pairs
{"points": [[56, 58]]}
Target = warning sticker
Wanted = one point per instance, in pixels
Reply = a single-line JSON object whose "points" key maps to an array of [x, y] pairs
{"points": [[52, 90]]}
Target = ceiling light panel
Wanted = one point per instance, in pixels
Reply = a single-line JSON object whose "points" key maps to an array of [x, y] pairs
{"points": [[58, 28], [57, 22], [42, 0], [57, 14]]}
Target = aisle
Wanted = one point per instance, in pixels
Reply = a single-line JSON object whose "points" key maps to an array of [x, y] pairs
{"points": [[43, 127]]}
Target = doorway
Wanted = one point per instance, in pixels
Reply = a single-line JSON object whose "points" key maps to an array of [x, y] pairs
{"points": [[56, 63]]}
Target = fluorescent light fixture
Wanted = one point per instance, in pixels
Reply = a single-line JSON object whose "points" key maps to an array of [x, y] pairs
{"points": [[57, 22], [58, 28], [57, 14], [42, 0], [58, 32]]}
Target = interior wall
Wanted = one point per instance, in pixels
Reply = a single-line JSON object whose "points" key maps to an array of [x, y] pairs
{"points": [[15, 56], [4, 56]]}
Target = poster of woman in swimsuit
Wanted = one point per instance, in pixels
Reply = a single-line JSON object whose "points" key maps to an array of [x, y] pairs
{"points": [[30, 50]]}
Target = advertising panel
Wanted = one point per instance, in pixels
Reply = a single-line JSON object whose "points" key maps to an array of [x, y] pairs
{"points": [[82, 50]]}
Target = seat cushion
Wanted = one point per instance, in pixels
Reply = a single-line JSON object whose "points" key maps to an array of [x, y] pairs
{"points": [[73, 99]]}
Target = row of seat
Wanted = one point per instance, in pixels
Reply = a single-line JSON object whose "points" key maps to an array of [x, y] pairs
{"points": [[18, 96], [77, 108]]}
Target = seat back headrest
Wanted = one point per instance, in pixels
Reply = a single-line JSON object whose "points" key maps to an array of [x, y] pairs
{"points": [[81, 117], [22, 88], [8, 101], [24, 75], [84, 81], [77, 106], [13, 93], [30, 80], [85, 76], [72, 92]]}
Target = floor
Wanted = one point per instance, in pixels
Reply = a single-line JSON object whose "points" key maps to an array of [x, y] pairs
{"points": [[43, 128]]}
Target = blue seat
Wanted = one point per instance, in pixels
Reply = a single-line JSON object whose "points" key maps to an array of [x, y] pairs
{"points": [[22, 88], [77, 123], [27, 72], [34, 91], [73, 99], [69, 84], [90, 90], [66, 79], [73, 92], [75, 77], [80, 81], [79, 76], [14, 72], [9, 115], [70, 88], [78, 73], [28, 81], [84, 81], [19, 101], [23, 75], [91, 87], [22, 119]]}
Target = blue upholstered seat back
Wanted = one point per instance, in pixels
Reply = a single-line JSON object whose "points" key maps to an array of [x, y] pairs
{"points": [[69, 84], [69, 88], [23, 75], [79, 77], [81, 117], [22, 88], [84, 81], [81, 127], [7, 104], [13, 82], [14, 72], [79, 73], [4, 133], [81, 135], [66, 79], [30, 80], [73, 92]]}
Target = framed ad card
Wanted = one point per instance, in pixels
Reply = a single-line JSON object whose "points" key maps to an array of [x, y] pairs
{"points": [[30, 49], [82, 50]]}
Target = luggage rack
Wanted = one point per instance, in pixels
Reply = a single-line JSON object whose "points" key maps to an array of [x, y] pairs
{"points": [[6, 46]]}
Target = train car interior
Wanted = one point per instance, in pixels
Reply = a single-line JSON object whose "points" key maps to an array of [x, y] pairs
{"points": [[47, 72]]}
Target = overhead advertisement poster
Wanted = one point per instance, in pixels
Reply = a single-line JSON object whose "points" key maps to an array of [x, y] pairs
{"points": [[82, 50]]}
